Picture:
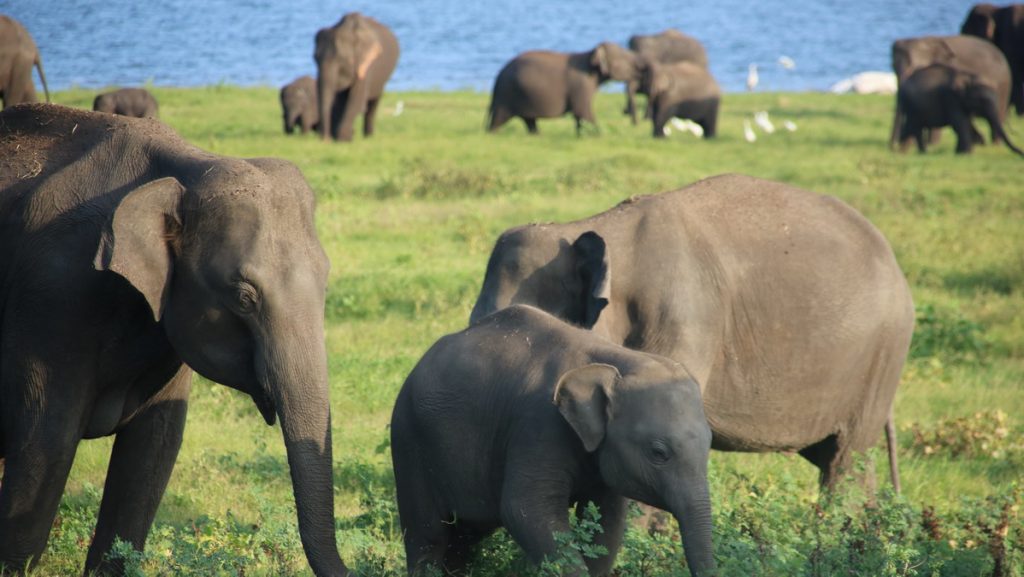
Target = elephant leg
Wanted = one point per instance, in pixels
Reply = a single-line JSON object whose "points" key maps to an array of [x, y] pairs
{"points": [[426, 528], [659, 118], [531, 125], [499, 116], [140, 466], [961, 124], [370, 117], [460, 550], [532, 512], [710, 122], [613, 510], [831, 456]]}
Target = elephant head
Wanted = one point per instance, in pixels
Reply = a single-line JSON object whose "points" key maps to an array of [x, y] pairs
{"points": [[229, 263], [651, 440], [343, 57], [534, 265], [981, 21], [616, 63], [912, 53]]}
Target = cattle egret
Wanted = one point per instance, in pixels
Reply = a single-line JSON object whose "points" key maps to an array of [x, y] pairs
{"points": [[789, 125], [399, 108], [787, 62], [748, 132], [751, 77], [762, 120]]}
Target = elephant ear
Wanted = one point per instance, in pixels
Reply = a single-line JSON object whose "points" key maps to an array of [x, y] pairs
{"points": [[583, 397], [599, 60], [594, 274], [141, 237], [368, 47]]}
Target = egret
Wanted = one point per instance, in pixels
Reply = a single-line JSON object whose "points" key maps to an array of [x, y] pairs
{"points": [[751, 77], [748, 132]]}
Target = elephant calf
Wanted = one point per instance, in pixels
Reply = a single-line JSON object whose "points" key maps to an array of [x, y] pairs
{"points": [[941, 95], [681, 90], [514, 419], [300, 105], [666, 47], [135, 102]]}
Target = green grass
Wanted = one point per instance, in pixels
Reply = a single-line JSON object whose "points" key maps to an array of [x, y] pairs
{"points": [[408, 218]]}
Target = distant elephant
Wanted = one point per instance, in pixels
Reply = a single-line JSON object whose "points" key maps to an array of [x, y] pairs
{"points": [[1004, 27], [667, 47], [940, 95], [18, 54], [681, 90], [131, 258], [967, 53], [545, 84], [354, 59], [135, 102], [300, 105], [520, 416], [788, 307]]}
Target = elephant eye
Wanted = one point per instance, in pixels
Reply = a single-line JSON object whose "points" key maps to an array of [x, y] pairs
{"points": [[246, 297], [659, 452]]}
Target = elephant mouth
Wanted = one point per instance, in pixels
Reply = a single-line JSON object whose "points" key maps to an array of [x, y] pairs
{"points": [[266, 406]]}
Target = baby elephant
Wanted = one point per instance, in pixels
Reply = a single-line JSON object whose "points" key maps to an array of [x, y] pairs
{"points": [[137, 102], [518, 417], [681, 90], [300, 105], [941, 95]]}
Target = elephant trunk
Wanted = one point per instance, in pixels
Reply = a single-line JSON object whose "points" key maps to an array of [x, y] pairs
{"points": [[693, 513], [294, 374], [326, 95]]}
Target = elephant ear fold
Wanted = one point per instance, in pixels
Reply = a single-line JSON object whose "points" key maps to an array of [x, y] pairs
{"points": [[583, 397], [141, 238], [599, 59], [594, 274], [368, 48]]}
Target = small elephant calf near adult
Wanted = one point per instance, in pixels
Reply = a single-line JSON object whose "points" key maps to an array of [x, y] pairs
{"points": [[135, 102], [518, 417]]}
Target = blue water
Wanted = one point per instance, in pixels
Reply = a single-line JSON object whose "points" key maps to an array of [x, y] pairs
{"points": [[455, 44]]}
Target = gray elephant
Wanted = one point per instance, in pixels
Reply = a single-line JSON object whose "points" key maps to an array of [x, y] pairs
{"points": [[788, 307], [681, 90], [134, 102], [545, 84], [967, 53], [941, 95], [354, 59], [18, 54], [666, 47], [300, 105], [513, 420], [177, 260], [1004, 27]]}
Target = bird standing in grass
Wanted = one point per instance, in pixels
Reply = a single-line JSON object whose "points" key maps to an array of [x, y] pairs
{"points": [[752, 77]]}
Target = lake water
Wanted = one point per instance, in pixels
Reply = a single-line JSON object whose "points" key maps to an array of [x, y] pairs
{"points": [[455, 44]]}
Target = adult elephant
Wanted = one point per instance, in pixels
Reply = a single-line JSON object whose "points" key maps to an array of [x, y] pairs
{"points": [[788, 307], [967, 53], [135, 102], [18, 54], [300, 106], [667, 47], [1004, 27], [129, 259], [546, 84], [681, 90], [354, 59], [940, 95]]}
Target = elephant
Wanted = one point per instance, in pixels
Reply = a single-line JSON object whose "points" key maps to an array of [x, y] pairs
{"points": [[354, 59], [547, 84], [965, 52], [135, 102], [1004, 27], [667, 47], [130, 259], [18, 54], [941, 95], [300, 105], [518, 417], [682, 90], [787, 307]]}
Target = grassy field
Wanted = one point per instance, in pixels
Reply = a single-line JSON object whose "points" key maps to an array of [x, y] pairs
{"points": [[408, 219]]}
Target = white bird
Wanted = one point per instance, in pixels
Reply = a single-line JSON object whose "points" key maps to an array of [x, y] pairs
{"points": [[761, 119], [789, 125], [399, 108], [748, 132], [870, 82], [787, 62], [687, 125], [751, 77], [666, 130]]}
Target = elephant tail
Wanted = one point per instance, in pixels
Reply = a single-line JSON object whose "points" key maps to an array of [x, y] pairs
{"points": [[890, 442], [991, 113], [42, 76]]}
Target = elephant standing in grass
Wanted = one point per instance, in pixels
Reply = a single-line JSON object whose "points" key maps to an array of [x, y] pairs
{"points": [[300, 105], [519, 417], [667, 47], [354, 59], [681, 90], [1004, 27], [18, 54], [135, 102], [788, 307], [974, 55], [940, 95], [131, 258], [545, 84]]}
